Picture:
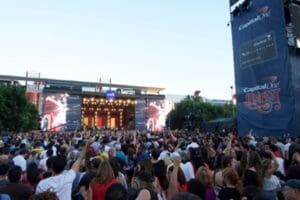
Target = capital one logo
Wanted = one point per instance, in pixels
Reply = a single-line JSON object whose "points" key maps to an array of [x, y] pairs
{"points": [[266, 100]]}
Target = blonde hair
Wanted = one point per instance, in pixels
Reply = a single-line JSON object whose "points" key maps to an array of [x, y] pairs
{"points": [[205, 176], [105, 173]]}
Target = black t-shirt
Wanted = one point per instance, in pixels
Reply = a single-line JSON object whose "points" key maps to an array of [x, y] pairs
{"points": [[229, 193], [250, 178], [86, 179]]}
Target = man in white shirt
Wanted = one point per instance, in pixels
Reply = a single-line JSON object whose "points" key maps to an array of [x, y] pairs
{"points": [[61, 182], [20, 160], [194, 144]]}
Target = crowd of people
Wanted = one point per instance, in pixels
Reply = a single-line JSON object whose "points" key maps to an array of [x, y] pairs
{"points": [[134, 165]]}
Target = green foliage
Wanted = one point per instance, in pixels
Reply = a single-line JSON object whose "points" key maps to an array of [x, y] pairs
{"points": [[192, 111], [16, 112]]}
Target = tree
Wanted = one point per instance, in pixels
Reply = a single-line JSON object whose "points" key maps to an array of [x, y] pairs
{"points": [[191, 112], [16, 112]]}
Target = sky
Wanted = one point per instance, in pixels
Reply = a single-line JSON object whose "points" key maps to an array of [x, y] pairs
{"points": [[179, 45]]}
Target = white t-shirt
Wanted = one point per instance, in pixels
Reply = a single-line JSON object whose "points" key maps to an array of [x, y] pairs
{"points": [[192, 145], [60, 184], [280, 168], [20, 161], [43, 164], [188, 171]]}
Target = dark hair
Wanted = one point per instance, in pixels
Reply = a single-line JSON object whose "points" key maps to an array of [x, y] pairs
{"points": [[44, 196], [49, 162], [115, 165], [4, 169], [33, 173], [116, 192], [155, 153], [49, 152], [59, 164], [197, 188], [14, 174], [196, 157]]}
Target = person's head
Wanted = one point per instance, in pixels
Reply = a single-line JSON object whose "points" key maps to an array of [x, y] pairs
{"points": [[291, 189], [49, 153], [116, 192], [186, 196], [44, 196], [146, 165], [105, 173], [95, 162], [4, 167], [115, 165], [155, 154], [146, 181], [49, 163], [59, 164], [267, 167], [112, 152], [14, 174], [197, 188], [254, 160], [33, 173], [205, 176], [231, 178]]}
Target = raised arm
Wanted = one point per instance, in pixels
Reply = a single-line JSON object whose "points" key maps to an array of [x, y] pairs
{"points": [[76, 165], [172, 190]]}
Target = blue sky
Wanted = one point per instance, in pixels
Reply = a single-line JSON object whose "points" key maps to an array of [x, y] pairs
{"points": [[179, 45]]}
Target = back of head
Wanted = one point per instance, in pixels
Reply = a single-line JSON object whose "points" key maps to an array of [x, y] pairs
{"points": [[116, 192], [197, 188], [33, 173], [14, 174], [44, 196], [59, 164], [4, 169], [105, 173], [205, 176], [155, 153], [186, 196]]}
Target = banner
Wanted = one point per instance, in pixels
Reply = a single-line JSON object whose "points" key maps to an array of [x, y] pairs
{"points": [[262, 78], [140, 114], [61, 112]]}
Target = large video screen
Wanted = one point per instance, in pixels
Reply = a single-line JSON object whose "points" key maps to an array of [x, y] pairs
{"points": [[157, 112], [61, 112]]}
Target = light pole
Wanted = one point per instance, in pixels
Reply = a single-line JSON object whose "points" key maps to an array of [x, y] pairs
{"points": [[231, 88]]}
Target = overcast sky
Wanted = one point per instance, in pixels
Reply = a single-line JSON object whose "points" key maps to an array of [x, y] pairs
{"points": [[180, 45]]}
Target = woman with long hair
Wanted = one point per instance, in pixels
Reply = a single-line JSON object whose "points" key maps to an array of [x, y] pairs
{"points": [[32, 176], [233, 186], [105, 177], [253, 174], [205, 176]]}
